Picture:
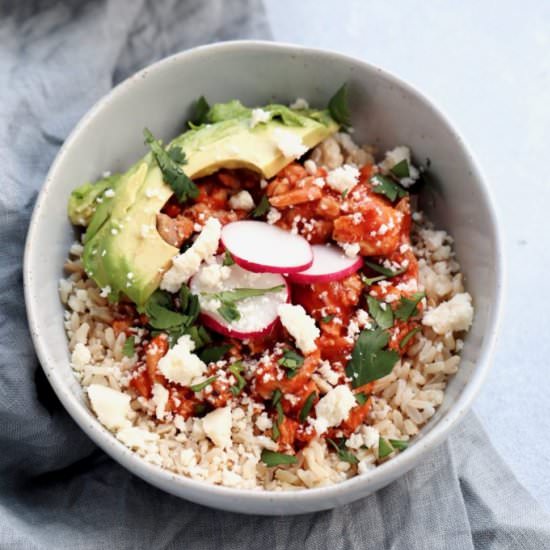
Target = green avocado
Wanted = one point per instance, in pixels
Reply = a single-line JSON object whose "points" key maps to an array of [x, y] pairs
{"points": [[123, 251]]}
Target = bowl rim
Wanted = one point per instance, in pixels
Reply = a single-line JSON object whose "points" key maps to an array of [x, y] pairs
{"points": [[382, 474]]}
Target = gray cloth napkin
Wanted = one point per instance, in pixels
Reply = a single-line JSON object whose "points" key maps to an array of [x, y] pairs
{"points": [[57, 490]]}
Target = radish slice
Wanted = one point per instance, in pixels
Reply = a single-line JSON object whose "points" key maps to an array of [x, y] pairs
{"points": [[257, 314], [329, 264], [265, 248]]}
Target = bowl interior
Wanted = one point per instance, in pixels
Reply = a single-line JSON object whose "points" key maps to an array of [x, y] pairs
{"points": [[385, 112]]}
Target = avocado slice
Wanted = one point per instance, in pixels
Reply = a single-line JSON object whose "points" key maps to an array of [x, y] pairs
{"points": [[123, 251]]}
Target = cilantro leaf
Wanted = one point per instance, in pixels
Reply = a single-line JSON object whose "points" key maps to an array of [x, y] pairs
{"points": [[228, 259], [386, 186], [369, 281], [361, 398], [271, 458], [384, 448], [160, 317], [405, 340], [291, 361], [229, 311], [369, 360], [276, 402], [407, 306], [201, 110], [236, 369], [381, 312], [129, 349], [261, 208], [172, 173], [401, 169], [213, 353], [307, 406], [399, 444], [201, 385], [343, 453], [384, 270], [338, 106], [328, 318]]}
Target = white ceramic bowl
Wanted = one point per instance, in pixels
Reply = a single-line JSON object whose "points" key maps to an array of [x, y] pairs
{"points": [[386, 112]]}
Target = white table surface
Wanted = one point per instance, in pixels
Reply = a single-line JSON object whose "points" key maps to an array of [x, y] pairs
{"points": [[487, 65]]}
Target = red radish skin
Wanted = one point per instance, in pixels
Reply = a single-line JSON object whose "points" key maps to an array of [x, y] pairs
{"points": [[264, 248], [329, 264]]}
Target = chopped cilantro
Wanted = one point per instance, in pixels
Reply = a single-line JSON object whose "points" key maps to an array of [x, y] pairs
{"points": [[158, 313], [401, 169], [361, 398], [407, 306], [201, 385], [236, 369], [368, 281], [170, 163], [384, 448], [405, 340], [338, 106], [381, 312], [384, 270], [399, 444], [369, 360], [291, 361], [261, 208], [343, 453], [276, 402], [228, 259], [201, 110], [328, 318], [213, 353], [344, 193], [386, 186], [307, 406], [129, 349], [271, 458]]}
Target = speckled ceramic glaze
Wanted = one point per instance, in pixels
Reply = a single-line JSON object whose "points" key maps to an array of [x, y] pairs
{"points": [[385, 112]]}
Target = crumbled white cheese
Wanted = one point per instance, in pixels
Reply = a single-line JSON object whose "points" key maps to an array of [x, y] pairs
{"points": [[273, 216], [137, 438], [394, 157], [263, 422], [81, 355], [185, 265], [111, 406], [105, 291], [242, 201], [333, 408], [181, 366], [350, 249], [259, 116], [300, 326], [343, 178], [217, 426], [328, 373], [289, 143], [211, 276], [109, 193], [299, 103], [454, 315], [160, 400], [319, 182], [310, 166]]}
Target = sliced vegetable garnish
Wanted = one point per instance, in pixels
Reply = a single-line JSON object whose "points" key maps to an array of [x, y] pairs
{"points": [[228, 259], [401, 169], [128, 349], [291, 361], [201, 385], [261, 208], [405, 340], [384, 448], [271, 458], [407, 306], [399, 444], [213, 353], [361, 398], [169, 162], [343, 453], [307, 406], [369, 360], [338, 106], [381, 312], [386, 186], [236, 369]]}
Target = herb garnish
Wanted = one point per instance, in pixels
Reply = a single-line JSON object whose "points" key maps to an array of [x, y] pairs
{"points": [[169, 162], [201, 110], [338, 106], [291, 361], [399, 444], [345, 193], [307, 406], [407, 306], [405, 340], [228, 259], [276, 402], [328, 318], [343, 453], [261, 208], [361, 398], [129, 349], [381, 312], [386, 186], [369, 360], [401, 169], [271, 458], [228, 298], [213, 353], [236, 369], [384, 448], [201, 385], [384, 270]]}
